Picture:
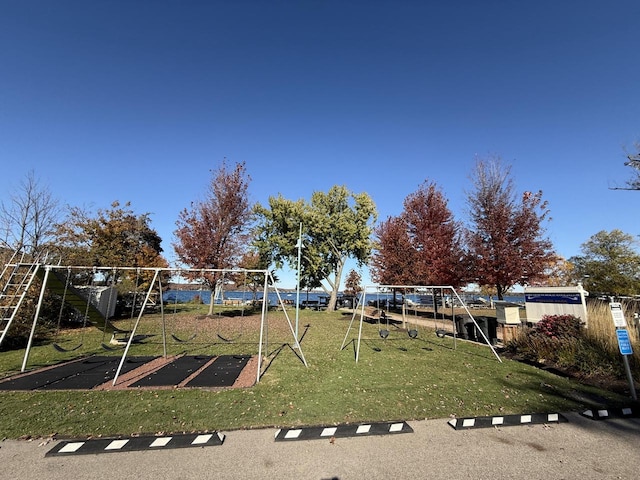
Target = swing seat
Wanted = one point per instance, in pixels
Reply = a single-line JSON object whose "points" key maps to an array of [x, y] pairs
{"points": [[441, 333], [228, 340], [413, 333], [62, 349], [118, 330], [181, 340], [384, 333]]}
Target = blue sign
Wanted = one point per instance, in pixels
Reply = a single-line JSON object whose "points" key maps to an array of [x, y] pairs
{"points": [[623, 342], [564, 298]]}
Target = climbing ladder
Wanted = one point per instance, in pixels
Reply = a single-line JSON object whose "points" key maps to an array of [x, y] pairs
{"points": [[15, 280]]}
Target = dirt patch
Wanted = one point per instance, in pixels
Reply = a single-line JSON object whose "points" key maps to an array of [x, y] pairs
{"points": [[247, 377]]}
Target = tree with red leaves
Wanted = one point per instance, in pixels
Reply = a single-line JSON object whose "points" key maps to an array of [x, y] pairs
{"points": [[506, 239], [213, 233], [392, 260], [423, 245], [435, 236], [353, 283]]}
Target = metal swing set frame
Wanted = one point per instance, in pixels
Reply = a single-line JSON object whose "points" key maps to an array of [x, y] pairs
{"points": [[156, 283], [359, 311]]}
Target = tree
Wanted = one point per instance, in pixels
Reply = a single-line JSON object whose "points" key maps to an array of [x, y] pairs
{"points": [[506, 237], [558, 274], [353, 283], [212, 234], [336, 226], [113, 237], [393, 256], [28, 220], [609, 264], [250, 280], [422, 246], [633, 161], [436, 238]]}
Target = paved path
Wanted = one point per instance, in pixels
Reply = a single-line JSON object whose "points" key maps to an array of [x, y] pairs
{"points": [[580, 449]]}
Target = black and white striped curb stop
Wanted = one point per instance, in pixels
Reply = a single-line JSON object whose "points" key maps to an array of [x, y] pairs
{"points": [[609, 413], [342, 431], [506, 420], [105, 445]]}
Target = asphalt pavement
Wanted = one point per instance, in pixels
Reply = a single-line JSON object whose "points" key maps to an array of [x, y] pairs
{"points": [[581, 448]]}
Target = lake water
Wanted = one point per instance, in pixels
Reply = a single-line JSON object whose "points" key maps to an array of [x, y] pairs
{"points": [[186, 296]]}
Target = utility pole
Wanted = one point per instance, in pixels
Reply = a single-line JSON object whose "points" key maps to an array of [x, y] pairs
{"points": [[299, 245]]}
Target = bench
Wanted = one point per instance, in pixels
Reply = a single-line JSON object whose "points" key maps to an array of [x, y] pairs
{"points": [[234, 302], [372, 312]]}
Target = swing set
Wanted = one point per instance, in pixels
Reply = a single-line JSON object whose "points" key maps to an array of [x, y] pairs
{"points": [[435, 295], [98, 307]]}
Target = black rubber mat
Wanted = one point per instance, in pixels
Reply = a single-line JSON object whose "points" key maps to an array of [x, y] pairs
{"points": [[83, 374], [223, 372], [173, 373], [93, 377]]}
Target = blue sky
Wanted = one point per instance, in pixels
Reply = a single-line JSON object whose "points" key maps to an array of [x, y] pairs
{"points": [[138, 100]]}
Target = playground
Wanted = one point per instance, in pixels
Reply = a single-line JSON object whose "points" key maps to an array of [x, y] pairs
{"points": [[176, 365]]}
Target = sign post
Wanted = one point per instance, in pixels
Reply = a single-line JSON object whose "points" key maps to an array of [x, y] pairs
{"points": [[624, 343]]}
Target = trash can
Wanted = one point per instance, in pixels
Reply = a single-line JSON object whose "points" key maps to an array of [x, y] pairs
{"points": [[483, 324], [492, 329], [461, 327]]}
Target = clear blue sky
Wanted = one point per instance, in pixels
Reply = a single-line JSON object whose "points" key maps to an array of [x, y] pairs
{"points": [[138, 100]]}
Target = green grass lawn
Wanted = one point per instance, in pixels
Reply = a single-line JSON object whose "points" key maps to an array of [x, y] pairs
{"points": [[396, 379]]}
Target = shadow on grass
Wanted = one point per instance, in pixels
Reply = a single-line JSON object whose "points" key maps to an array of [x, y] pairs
{"points": [[453, 347], [271, 356], [306, 329], [578, 395]]}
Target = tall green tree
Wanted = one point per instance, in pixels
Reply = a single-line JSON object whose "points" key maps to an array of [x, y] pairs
{"points": [[609, 264], [213, 233], [336, 225], [506, 239]]}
